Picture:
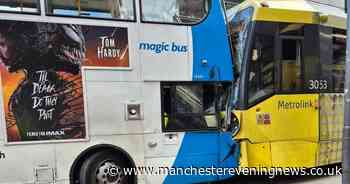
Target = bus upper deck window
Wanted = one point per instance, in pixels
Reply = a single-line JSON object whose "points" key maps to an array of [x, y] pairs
{"points": [[110, 9], [27, 6], [174, 11]]}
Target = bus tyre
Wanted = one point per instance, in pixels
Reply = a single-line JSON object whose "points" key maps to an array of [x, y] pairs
{"points": [[105, 167]]}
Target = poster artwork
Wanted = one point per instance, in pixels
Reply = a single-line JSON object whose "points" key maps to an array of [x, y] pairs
{"points": [[40, 65]]}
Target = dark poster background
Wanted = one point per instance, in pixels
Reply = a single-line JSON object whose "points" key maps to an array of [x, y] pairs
{"points": [[40, 65]]}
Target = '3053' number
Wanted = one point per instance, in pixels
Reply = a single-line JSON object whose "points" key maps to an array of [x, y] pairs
{"points": [[318, 84]]}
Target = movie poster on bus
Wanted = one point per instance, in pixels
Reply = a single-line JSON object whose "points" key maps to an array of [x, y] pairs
{"points": [[107, 47], [41, 76]]}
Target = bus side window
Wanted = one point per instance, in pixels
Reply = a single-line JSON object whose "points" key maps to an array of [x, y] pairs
{"points": [[188, 107], [113, 9], [28, 6], [174, 11], [192, 10], [183, 108]]}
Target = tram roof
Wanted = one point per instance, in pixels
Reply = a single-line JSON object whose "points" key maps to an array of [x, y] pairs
{"points": [[324, 12]]}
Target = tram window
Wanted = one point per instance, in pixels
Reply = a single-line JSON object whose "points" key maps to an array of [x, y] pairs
{"points": [[289, 50], [192, 106], [311, 59], [261, 78], [333, 69], [291, 65], [339, 58], [238, 29], [291, 29], [291, 36], [174, 11], [110, 9], [261, 69], [27, 6]]}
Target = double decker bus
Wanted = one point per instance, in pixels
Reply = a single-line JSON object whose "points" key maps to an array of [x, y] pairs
{"points": [[94, 86], [290, 57]]}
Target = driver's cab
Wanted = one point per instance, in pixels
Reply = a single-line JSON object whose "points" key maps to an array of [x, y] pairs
{"points": [[194, 106]]}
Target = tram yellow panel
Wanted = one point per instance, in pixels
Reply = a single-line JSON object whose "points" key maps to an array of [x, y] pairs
{"points": [[281, 118], [255, 155], [294, 154], [283, 15]]}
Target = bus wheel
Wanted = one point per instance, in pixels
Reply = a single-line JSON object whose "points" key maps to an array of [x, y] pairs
{"points": [[105, 167]]}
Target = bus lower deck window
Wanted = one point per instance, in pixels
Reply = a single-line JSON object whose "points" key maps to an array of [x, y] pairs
{"points": [[192, 106]]}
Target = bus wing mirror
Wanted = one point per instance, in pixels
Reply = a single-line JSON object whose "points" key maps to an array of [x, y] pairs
{"points": [[234, 125], [231, 124]]}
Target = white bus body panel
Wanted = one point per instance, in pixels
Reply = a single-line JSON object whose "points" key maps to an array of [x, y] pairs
{"points": [[171, 64], [106, 90]]}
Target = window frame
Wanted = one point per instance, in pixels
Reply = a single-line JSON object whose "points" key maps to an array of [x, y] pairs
{"points": [[210, 4], [242, 96], [304, 90], [278, 68], [25, 12], [47, 13], [279, 87], [260, 79], [248, 104], [323, 30], [245, 104], [216, 113]]}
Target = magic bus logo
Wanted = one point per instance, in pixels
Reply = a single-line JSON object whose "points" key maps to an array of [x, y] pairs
{"points": [[158, 48]]}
